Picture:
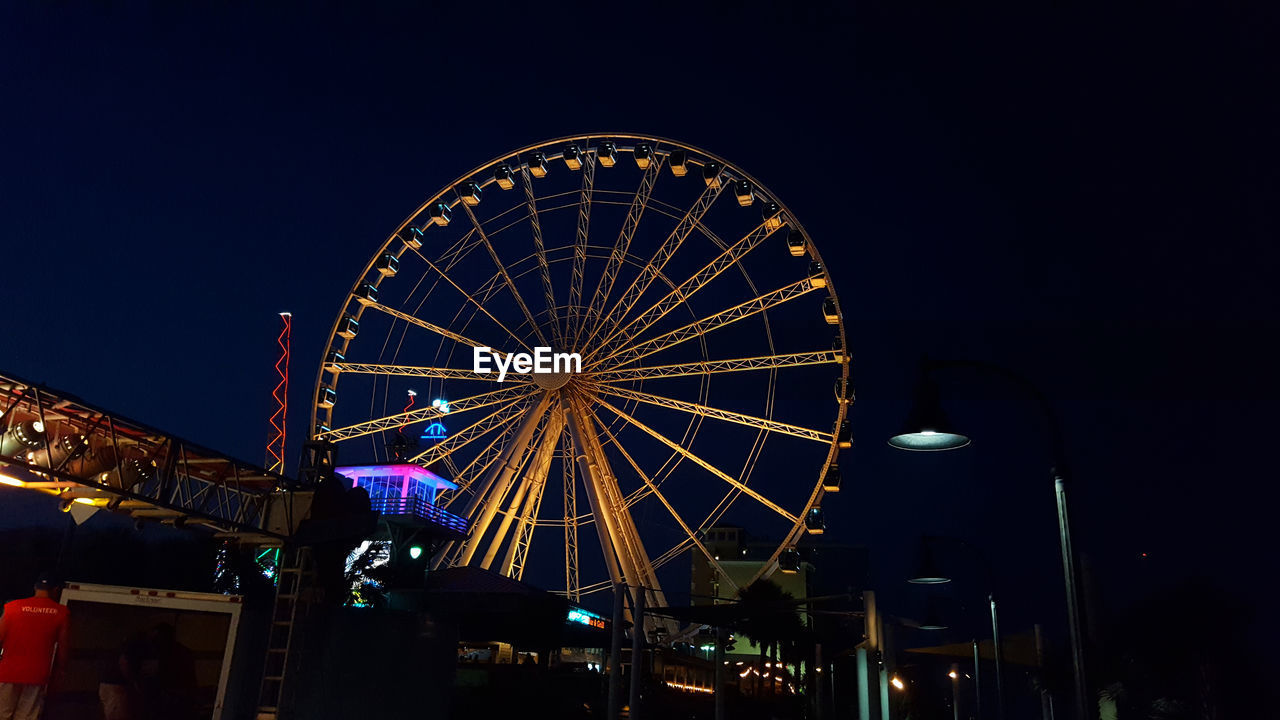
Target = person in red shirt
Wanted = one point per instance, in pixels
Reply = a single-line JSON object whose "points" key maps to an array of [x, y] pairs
{"points": [[33, 639]]}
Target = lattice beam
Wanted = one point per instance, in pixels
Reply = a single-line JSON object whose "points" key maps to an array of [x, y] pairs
{"points": [[712, 322], [653, 269], [458, 440], [392, 422], [63, 446], [750, 492], [763, 362], [688, 288], [751, 421], [410, 371], [544, 268], [580, 246], [653, 489], [571, 580], [620, 246], [432, 327], [502, 270]]}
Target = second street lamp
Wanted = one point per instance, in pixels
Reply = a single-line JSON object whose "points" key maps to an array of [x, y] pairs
{"points": [[929, 574]]}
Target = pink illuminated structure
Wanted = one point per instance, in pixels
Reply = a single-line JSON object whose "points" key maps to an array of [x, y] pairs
{"points": [[404, 490]]}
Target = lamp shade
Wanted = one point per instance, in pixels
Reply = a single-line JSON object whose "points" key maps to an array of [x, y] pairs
{"points": [[932, 619], [927, 572], [932, 622], [927, 428]]}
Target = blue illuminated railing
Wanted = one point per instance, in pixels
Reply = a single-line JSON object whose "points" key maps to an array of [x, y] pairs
{"points": [[419, 508]]}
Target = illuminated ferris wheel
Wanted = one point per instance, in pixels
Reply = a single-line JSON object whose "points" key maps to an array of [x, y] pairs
{"points": [[684, 336]]}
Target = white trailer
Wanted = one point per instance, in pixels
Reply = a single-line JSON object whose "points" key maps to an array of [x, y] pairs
{"points": [[104, 618]]}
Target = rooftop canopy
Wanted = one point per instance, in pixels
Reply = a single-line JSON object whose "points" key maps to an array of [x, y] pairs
{"points": [[412, 474]]}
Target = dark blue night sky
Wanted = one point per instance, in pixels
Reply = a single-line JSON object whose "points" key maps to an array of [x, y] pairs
{"points": [[1089, 199]]}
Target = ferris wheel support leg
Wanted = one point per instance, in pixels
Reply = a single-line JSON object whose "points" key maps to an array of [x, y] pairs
{"points": [[517, 500], [653, 488], [589, 473], [499, 479], [518, 549], [602, 478], [534, 476], [608, 505]]}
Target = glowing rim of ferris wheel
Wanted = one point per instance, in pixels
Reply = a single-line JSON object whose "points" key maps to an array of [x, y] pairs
{"points": [[534, 419]]}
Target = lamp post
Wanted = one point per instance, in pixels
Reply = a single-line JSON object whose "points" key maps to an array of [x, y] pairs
{"points": [[954, 674], [927, 429], [928, 574]]}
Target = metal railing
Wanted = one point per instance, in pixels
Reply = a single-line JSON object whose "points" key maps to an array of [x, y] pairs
{"points": [[420, 508]]}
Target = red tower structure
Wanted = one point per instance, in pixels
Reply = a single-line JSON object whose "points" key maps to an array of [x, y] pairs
{"points": [[276, 445]]}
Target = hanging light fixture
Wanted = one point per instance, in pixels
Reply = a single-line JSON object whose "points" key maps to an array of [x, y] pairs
{"points": [[927, 428]]}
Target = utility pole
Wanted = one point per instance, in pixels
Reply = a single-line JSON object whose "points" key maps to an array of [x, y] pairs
{"points": [[722, 637], [637, 650], [615, 655]]}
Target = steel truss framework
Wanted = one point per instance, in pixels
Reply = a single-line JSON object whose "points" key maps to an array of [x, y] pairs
{"points": [[621, 260], [55, 443]]}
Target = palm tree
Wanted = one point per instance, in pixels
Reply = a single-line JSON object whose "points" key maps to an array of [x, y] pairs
{"points": [[768, 618]]}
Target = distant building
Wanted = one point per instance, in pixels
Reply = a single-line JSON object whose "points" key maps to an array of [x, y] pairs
{"points": [[741, 557], [823, 569]]}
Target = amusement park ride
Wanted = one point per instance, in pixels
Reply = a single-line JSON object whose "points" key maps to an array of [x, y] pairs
{"points": [[702, 325]]}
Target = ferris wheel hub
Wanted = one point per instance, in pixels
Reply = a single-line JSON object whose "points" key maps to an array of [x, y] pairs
{"points": [[552, 380]]}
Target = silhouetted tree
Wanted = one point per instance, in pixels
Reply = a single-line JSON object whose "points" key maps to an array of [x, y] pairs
{"points": [[769, 617]]}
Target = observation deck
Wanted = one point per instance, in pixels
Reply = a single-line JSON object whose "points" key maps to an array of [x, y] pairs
{"points": [[407, 494]]}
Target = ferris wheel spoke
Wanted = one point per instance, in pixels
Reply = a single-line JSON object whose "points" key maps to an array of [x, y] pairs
{"points": [[763, 362], [580, 247], [502, 269], [750, 421], [653, 489], [544, 268], [691, 286], [620, 247], [653, 269], [412, 417], [434, 373], [432, 327], [459, 250], [465, 477], [676, 551], [499, 418], [479, 304], [497, 480], [536, 477], [732, 481], [626, 356], [595, 587]]}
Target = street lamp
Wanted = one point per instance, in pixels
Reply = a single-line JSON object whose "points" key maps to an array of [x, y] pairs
{"points": [[927, 430], [932, 621], [955, 690], [928, 574]]}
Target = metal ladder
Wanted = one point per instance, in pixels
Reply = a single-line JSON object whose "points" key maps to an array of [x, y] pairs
{"points": [[296, 578]]}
